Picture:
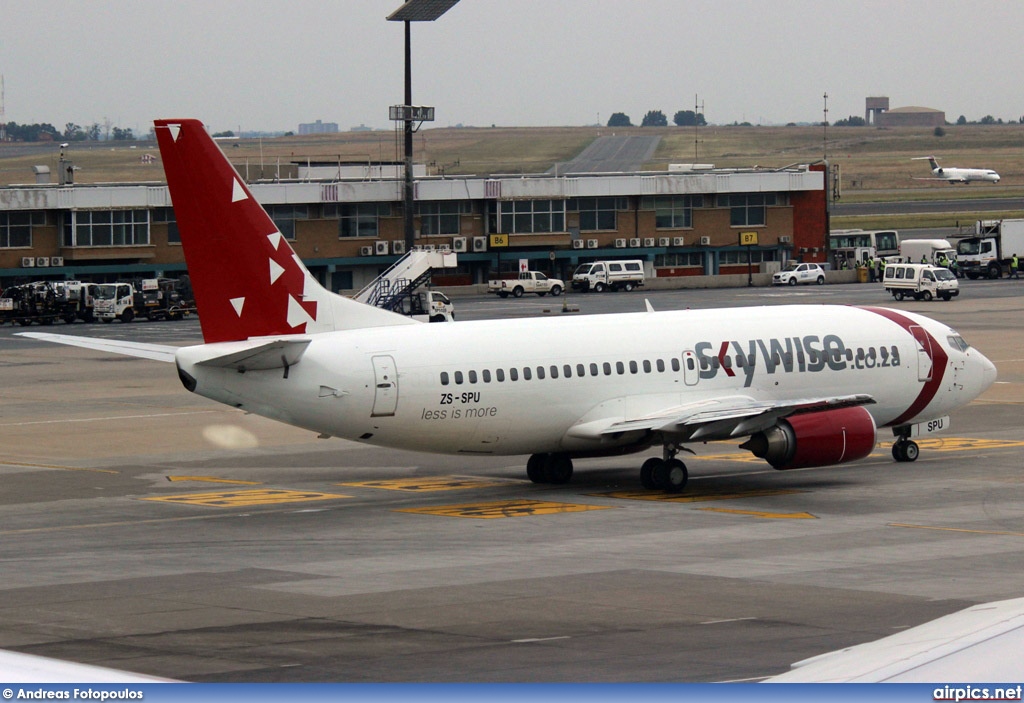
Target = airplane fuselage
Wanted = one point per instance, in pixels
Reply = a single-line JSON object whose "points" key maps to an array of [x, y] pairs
{"points": [[529, 386]]}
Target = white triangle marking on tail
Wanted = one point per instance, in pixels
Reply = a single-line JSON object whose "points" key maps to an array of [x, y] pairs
{"points": [[175, 130], [238, 192], [275, 240], [276, 270], [297, 314], [237, 304]]}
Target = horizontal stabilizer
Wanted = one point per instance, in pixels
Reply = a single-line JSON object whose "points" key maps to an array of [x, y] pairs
{"points": [[156, 352], [277, 354]]}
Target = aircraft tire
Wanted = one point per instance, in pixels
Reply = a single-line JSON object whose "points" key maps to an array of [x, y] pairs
{"points": [[676, 476], [905, 450], [557, 468], [535, 468], [647, 473]]}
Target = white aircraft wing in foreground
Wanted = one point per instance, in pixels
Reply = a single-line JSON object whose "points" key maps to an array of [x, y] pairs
{"points": [[983, 643], [806, 385]]}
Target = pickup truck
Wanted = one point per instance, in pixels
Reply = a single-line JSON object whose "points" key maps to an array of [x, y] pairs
{"points": [[525, 282]]}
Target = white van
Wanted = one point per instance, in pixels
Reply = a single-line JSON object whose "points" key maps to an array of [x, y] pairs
{"points": [[922, 281], [599, 276]]}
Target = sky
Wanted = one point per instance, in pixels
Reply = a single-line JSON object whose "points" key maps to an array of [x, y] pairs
{"points": [[268, 65]]}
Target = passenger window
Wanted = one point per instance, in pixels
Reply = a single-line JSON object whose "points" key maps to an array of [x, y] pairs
{"points": [[513, 374], [675, 364], [581, 370], [540, 373], [633, 368], [620, 368], [661, 366], [690, 364], [607, 368], [500, 375], [527, 374], [647, 366], [472, 376], [458, 378], [593, 370], [444, 378], [487, 375]]}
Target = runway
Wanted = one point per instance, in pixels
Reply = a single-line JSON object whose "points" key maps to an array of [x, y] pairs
{"points": [[148, 529]]}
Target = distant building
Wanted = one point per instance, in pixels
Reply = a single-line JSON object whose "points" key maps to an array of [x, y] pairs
{"points": [[878, 109], [318, 127]]}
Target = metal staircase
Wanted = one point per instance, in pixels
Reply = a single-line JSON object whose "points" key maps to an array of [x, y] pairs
{"points": [[390, 289]]}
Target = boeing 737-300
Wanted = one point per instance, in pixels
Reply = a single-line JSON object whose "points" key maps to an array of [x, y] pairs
{"points": [[957, 175], [805, 385]]}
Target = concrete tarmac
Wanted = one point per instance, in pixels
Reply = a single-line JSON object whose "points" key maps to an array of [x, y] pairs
{"points": [[149, 529]]}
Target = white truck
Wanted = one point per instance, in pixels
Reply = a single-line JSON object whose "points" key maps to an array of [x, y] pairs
{"points": [[912, 251], [428, 306], [920, 281], [152, 298], [989, 250], [525, 282], [600, 276]]}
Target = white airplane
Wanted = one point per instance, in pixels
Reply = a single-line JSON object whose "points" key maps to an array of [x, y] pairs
{"points": [[808, 385], [957, 175]]}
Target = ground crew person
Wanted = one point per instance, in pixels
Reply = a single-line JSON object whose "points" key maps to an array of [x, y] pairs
{"points": [[1014, 267], [871, 270]]}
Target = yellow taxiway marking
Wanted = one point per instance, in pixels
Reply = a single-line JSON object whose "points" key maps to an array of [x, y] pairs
{"points": [[426, 484], [234, 499], [213, 479], [957, 529], [57, 466], [503, 508], [697, 497], [761, 514]]}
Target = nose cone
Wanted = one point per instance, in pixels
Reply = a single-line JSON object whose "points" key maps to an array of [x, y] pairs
{"points": [[988, 373]]}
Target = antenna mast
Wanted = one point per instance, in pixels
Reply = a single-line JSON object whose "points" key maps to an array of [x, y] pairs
{"points": [[3, 121]]}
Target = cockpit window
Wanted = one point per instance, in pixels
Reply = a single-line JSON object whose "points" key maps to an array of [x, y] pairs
{"points": [[958, 343]]}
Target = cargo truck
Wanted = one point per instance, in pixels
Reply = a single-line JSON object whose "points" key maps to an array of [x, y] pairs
{"points": [[988, 251]]}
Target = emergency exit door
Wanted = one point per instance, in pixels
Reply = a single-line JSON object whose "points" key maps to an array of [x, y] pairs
{"points": [[385, 394]]}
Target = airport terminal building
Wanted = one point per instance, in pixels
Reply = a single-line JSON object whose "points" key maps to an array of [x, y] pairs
{"points": [[346, 222]]}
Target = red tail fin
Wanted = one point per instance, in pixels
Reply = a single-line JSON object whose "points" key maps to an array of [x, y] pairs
{"points": [[248, 282]]}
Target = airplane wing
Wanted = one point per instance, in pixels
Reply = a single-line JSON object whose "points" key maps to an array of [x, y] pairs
{"points": [[16, 667], [156, 352], [716, 418], [982, 643]]}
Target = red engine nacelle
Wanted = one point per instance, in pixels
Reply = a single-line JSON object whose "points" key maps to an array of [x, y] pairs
{"points": [[816, 439]]}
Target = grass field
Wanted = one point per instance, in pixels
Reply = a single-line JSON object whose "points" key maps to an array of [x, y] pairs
{"points": [[875, 163]]}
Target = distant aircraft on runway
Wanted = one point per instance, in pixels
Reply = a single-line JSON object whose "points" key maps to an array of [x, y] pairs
{"points": [[809, 385], [957, 175]]}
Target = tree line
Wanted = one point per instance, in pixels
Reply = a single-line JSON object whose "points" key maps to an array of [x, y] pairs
{"points": [[656, 118], [46, 132]]}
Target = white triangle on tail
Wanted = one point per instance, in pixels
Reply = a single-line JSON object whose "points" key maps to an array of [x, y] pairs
{"points": [[238, 192], [237, 304], [275, 239], [175, 129], [297, 314], [276, 270]]}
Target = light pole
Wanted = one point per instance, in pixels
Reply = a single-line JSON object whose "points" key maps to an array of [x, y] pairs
{"points": [[413, 11]]}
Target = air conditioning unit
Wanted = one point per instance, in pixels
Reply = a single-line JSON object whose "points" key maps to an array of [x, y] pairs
{"points": [[479, 244], [705, 241], [649, 241], [428, 247], [591, 244], [444, 249], [43, 261], [398, 246], [635, 242], [620, 243], [56, 261], [459, 245], [577, 243], [28, 262], [366, 251], [784, 239], [663, 241], [677, 241], [380, 248]]}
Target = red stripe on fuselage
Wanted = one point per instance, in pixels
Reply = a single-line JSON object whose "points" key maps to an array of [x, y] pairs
{"points": [[935, 353]]}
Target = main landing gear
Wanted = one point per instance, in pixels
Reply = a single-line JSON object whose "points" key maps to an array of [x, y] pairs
{"points": [[549, 468], [667, 474]]}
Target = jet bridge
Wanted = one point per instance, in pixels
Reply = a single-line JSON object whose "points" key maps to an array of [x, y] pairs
{"points": [[390, 289]]}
